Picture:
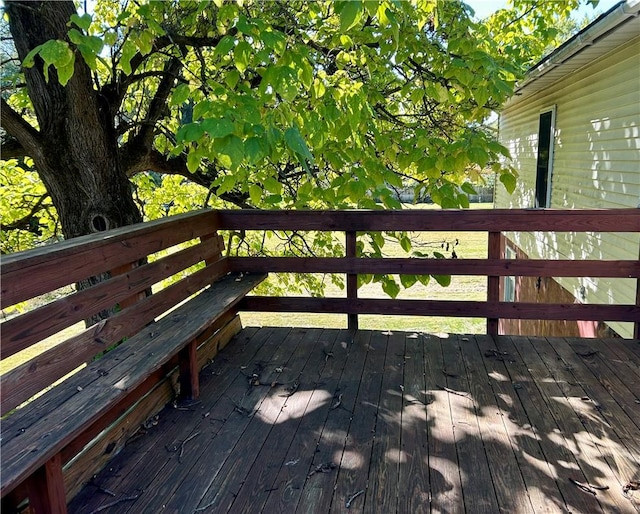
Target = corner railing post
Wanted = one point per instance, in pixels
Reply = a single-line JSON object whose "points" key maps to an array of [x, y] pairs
{"points": [[493, 282], [352, 279]]}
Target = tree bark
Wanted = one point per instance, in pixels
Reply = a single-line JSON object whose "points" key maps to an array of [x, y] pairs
{"points": [[77, 148]]}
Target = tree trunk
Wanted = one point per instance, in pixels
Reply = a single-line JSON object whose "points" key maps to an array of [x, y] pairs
{"points": [[77, 157]]}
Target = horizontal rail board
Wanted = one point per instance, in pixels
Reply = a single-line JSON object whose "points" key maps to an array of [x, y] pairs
{"points": [[485, 220], [413, 266], [22, 331], [469, 309], [20, 384], [41, 270]]}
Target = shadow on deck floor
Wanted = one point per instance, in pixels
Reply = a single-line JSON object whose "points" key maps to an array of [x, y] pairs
{"points": [[311, 420]]}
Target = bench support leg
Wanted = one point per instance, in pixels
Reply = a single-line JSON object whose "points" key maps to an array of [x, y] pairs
{"points": [[189, 380], [46, 489]]}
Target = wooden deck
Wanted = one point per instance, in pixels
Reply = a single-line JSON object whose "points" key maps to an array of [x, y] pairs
{"points": [[310, 420]]}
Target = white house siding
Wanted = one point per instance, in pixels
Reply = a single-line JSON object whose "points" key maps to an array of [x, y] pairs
{"points": [[596, 164]]}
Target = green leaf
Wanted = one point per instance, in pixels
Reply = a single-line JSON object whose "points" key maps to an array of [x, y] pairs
{"points": [[255, 193], [189, 133], [254, 149], [294, 140], [224, 46], [128, 51], [405, 243], [350, 14], [65, 73], [180, 94], [408, 280], [509, 182], [193, 161], [242, 55], [84, 21], [443, 280], [468, 188], [228, 183], [218, 127], [272, 185], [390, 287]]}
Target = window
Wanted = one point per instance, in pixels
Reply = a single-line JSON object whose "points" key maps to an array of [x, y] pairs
{"points": [[509, 282], [544, 167]]}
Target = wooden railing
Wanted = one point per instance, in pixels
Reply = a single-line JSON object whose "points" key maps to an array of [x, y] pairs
{"points": [[493, 222]]}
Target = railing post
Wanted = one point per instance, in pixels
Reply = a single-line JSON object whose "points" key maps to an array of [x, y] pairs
{"points": [[636, 325], [352, 279], [493, 282]]}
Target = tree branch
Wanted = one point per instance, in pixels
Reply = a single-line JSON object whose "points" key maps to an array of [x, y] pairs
{"points": [[25, 222], [16, 126]]}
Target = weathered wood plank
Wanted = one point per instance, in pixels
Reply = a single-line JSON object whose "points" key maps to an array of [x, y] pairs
{"points": [[326, 398], [554, 445], [504, 310], [538, 476], [355, 462], [415, 266], [508, 483], [186, 488], [261, 479], [145, 354], [383, 484], [318, 489], [38, 271], [414, 491], [594, 443], [146, 456], [444, 470], [477, 484], [46, 489], [78, 349], [22, 331], [497, 220]]}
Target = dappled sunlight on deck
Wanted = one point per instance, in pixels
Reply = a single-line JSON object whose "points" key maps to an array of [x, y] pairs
{"points": [[312, 420]]}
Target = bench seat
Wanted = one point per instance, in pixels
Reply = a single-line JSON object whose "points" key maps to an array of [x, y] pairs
{"points": [[35, 435]]}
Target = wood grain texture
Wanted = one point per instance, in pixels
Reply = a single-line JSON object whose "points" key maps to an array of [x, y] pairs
{"points": [[415, 266], [34, 272], [442, 308], [143, 354], [484, 220]]}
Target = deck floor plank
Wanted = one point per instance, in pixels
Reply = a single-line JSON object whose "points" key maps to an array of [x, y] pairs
{"points": [[356, 458], [418, 422], [318, 487], [477, 484], [509, 486], [297, 463], [580, 424], [537, 474], [414, 491], [444, 472], [382, 484], [556, 451]]}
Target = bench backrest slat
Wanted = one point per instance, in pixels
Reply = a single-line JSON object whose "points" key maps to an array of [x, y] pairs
{"points": [[35, 272]]}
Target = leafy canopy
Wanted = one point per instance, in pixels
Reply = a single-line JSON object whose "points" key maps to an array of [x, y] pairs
{"points": [[301, 104]]}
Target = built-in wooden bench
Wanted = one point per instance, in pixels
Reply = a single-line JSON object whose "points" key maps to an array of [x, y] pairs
{"points": [[57, 441]]}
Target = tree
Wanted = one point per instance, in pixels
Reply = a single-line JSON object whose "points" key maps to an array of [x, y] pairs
{"points": [[292, 104]]}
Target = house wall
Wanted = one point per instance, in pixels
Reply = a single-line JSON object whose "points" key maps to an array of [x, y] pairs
{"points": [[596, 164]]}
